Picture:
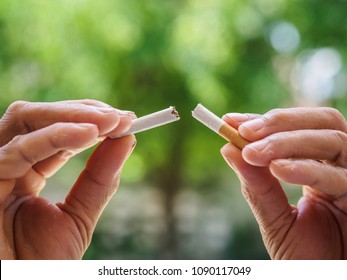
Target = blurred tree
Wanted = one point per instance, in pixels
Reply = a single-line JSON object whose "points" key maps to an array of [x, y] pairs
{"points": [[230, 55]]}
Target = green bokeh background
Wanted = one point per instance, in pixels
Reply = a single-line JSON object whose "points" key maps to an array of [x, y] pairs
{"points": [[178, 198]]}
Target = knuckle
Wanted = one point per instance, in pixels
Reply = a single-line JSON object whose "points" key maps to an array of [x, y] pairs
{"points": [[11, 146], [274, 112], [16, 140], [274, 145], [275, 116], [93, 102], [89, 100], [16, 146], [58, 136], [248, 194], [17, 106], [13, 119], [82, 220]]}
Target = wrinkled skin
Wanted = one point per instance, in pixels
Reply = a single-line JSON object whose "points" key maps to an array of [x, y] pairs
{"points": [[301, 146], [36, 140]]}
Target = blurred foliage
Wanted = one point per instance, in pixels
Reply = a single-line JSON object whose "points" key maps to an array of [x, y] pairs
{"points": [[230, 55]]}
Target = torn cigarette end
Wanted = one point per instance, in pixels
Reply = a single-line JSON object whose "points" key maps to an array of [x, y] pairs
{"points": [[219, 126], [151, 121]]}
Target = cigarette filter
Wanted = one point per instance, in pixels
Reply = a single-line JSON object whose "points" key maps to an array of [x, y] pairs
{"points": [[151, 121], [219, 126]]}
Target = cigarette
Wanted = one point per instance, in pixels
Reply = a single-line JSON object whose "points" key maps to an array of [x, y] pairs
{"points": [[150, 121], [219, 126]]}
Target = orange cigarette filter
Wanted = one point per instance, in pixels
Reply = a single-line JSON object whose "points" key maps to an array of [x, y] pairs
{"points": [[219, 126]]}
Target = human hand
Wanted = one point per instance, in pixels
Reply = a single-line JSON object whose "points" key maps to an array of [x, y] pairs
{"points": [[304, 146], [36, 140]]}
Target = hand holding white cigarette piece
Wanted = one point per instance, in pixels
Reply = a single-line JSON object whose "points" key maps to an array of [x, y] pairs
{"points": [[151, 121], [219, 126]]}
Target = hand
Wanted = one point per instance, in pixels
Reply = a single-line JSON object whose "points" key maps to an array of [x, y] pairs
{"points": [[36, 139], [302, 146]]}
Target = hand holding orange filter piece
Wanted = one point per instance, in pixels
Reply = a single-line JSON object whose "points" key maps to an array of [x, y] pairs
{"points": [[219, 126]]}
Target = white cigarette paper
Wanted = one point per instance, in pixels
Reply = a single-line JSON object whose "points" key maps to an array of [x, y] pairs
{"points": [[219, 126], [150, 121]]}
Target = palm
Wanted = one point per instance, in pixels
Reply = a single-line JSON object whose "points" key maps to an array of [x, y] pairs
{"points": [[313, 232], [36, 140], [43, 231], [34, 228]]}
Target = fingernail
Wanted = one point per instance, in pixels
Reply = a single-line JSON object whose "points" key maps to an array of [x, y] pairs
{"points": [[254, 125], [282, 162], [134, 144], [86, 125], [132, 147], [237, 117], [257, 146]]}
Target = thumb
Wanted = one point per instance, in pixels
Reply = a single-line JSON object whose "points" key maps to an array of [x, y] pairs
{"points": [[262, 191], [97, 183]]}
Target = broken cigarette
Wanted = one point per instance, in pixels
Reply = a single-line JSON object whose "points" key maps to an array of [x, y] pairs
{"points": [[151, 121], [219, 126]]}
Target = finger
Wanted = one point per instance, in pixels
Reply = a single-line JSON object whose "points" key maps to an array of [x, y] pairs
{"points": [[34, 179], [325, 178], [90, 102], [97, 183], [23, 117], [279, 120], [18, 156], [30, 184], [236, 119], [97, 103], [124, 125], [51, 165], [101, 105], [262, 191], [330, 145]]}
